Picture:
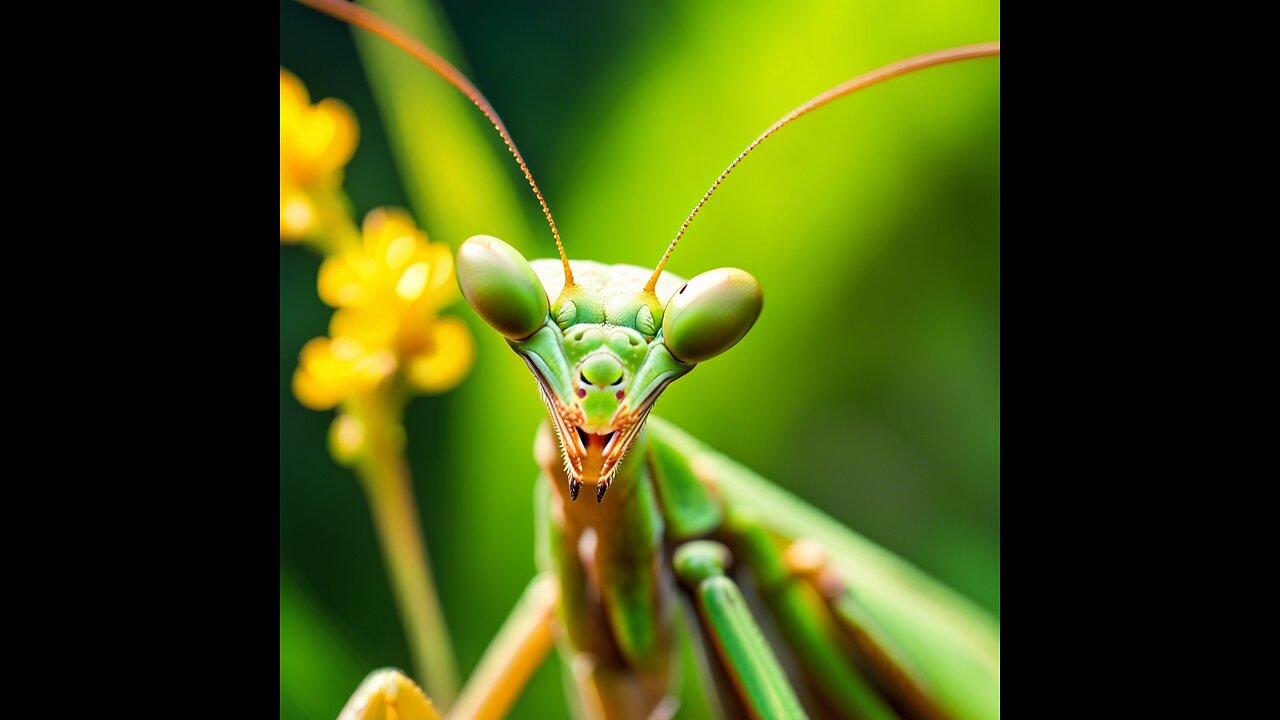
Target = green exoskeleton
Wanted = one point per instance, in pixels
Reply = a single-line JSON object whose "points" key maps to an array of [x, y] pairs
{"points": [[670, 527]]}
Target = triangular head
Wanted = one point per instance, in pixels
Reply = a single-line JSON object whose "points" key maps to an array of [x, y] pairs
{"points": [[606, 348]]}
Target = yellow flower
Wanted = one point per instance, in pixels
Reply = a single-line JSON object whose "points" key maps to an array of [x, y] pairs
{"points": [[316, 141], [329, 371], [388, 291]]}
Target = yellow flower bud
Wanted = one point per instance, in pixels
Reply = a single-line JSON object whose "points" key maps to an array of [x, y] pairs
{"points": [[346, 438]]}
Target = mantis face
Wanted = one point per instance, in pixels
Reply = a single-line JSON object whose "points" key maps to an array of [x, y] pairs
{"points": [[605, 350]]}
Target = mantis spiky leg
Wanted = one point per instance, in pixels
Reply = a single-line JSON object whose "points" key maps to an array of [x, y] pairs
{"points": [[721, 697], [806, 623], [807, 617], [514, 655], [893, 671], [740, 644], [953, 649]]}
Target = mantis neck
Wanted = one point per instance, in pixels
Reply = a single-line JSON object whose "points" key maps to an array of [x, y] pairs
{"points": [[624, 532], [610, 562]]}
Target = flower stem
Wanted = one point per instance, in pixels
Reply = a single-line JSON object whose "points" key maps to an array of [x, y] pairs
{"points": [[385, 476]]}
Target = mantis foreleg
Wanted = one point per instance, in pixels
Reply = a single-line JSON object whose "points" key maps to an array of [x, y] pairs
{"points": [[954, 645], [740, 644], [806, 623], [894, 673], [722, 698]]}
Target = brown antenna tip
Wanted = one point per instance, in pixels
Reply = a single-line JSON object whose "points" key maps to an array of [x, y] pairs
{"points": [[892, 70]]}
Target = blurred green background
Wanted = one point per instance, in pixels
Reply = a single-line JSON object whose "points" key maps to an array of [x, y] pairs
{"points": [[871, 384]]}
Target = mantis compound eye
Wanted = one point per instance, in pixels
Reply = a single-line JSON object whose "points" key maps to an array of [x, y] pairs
{"points": [[710, 314], [501, 287]]}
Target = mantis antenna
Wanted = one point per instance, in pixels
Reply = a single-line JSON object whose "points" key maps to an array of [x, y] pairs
{"points": [[368, 20], [902, 67]]}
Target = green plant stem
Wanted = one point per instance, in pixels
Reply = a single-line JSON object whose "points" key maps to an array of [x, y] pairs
{"points": [[385, 476]]}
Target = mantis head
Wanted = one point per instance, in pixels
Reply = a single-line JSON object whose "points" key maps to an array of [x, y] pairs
{"points": [[608, 345]]}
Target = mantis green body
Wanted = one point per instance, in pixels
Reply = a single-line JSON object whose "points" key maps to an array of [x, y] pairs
{"points": [[671, 528], [876, 637]]}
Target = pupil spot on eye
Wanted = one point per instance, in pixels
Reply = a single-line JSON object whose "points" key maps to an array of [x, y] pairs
{"points": [[583, 377], [682, 287]]}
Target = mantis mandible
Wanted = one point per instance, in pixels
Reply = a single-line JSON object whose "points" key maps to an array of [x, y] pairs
{"points": [[673, 522]]}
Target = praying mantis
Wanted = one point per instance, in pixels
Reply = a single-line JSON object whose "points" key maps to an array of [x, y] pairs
{"points": [[669, 527]]}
